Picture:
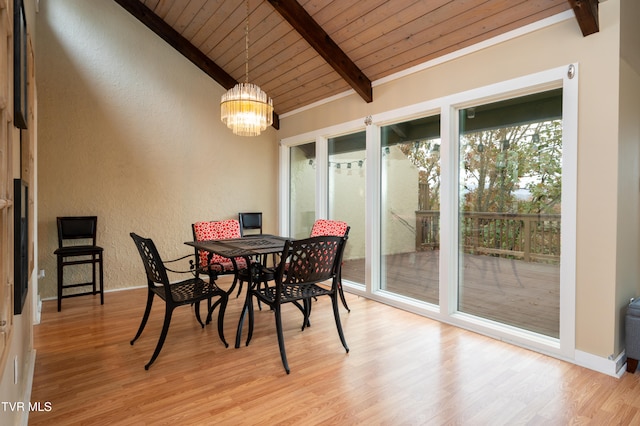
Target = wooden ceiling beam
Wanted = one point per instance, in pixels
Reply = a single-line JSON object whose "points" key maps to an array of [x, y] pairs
{"points": [[182, 45], [587, 15], [313, 33]]}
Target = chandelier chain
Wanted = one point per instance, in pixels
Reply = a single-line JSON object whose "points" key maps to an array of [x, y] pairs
{"points": [[246, 46]]}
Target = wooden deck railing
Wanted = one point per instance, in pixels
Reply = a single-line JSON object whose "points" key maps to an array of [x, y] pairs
{"points": [[530, 237]]}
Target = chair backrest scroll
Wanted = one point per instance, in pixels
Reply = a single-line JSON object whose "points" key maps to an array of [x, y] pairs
{"points": [[311, 260], [156, 272]]}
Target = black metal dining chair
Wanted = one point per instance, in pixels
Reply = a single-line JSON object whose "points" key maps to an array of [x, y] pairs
{"points": [[215, 264], [308, 263], [187, 292], [251, 222], [337, 228]]}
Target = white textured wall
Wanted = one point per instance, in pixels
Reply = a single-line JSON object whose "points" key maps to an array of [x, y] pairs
{"points": [[130, 131]]}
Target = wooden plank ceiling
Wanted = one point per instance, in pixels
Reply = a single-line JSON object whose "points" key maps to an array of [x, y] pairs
{"points": [[377, 38]]}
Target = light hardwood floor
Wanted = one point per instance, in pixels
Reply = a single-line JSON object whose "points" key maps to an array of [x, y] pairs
{"points": [[402, 369]]}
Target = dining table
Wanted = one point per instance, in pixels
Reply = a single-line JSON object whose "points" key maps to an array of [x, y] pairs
{"points": [[249, 247]]}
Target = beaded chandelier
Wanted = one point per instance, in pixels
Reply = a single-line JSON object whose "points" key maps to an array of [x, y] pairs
{"points": [[246, 109]]}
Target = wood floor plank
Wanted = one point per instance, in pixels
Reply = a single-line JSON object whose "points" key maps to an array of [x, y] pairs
{"points": [[401, 369]]}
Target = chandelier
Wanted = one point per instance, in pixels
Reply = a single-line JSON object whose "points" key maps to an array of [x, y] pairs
{"points": [[246, 109]]}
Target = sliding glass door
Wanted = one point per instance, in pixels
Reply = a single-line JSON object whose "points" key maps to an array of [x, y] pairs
{"points": [[509, 189], [346, 198], [410, 208], [462, 208], [302, 189]]}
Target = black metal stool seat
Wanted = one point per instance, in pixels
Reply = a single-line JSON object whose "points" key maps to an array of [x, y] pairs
{"points": [[76, 228]]}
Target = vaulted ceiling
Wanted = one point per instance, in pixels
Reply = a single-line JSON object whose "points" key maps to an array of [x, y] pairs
{"points": [[304, 51]]}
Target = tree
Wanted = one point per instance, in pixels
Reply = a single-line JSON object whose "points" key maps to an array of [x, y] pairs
{"points": [[512, 169], [545, 185], [425, 155]]}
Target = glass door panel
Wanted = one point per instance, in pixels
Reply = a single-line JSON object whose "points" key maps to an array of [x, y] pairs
{"points": [[346, 198], [510, 172], [410, 209], [302, 189]]}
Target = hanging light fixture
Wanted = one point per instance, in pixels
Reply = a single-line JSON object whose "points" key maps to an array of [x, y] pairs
{"points": [[246, 109]]}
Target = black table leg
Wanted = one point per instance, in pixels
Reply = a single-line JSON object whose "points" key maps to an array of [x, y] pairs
{"points": [[245, 308]]}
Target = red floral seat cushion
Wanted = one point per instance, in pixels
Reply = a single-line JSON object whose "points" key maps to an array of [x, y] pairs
{"points": [[218, 230], [326, 227]]}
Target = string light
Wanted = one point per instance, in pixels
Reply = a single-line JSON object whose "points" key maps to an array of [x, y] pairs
{"points": [[347, 164]]}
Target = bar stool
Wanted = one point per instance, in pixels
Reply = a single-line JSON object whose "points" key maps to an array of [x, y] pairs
{"points": [[78, 228]]}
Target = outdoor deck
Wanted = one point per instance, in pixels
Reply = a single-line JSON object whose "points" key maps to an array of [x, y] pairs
{"points": [[515, 292]]}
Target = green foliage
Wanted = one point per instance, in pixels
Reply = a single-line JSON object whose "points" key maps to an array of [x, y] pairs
{"points": [[425, 155], [496, 163], [508, 170]]}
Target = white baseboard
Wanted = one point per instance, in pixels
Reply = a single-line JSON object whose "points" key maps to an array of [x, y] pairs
{"points": [[612, 367], [26, 398], [38, 313]]}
